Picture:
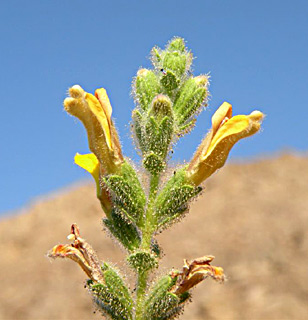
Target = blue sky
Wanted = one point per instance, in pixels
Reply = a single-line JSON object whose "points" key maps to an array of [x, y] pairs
{"points": [[256, 53]]}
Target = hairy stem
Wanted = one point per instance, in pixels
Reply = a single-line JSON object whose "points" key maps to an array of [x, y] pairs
{"points": [[149, 216], [146, 244], [141, 287]]}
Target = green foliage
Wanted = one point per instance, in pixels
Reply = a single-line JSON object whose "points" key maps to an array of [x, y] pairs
{"points": [[127, 193], [112, 298], [146, 88], [162, 304], [123, 230], [142, 261], [190, 98], [168, 98], [173, 199]]}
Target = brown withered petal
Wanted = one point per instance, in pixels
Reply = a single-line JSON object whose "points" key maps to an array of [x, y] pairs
{"points": [[196, 271], [81, 252]]}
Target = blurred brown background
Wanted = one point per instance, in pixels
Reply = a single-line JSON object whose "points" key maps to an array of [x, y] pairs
{"points": [[252, 217]]}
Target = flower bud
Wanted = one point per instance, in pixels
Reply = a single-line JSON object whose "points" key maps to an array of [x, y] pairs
{"points": [[146, 87], [191, 98]]}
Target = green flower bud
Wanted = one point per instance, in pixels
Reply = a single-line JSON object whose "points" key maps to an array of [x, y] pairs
{"points": [[191, 97], [161, 107], [161, 303], [142, 261], [146, 87], [169, 81], [177, 44]]}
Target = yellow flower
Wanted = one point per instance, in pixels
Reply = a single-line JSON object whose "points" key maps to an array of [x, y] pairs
{"points": [[81, 252], [194, 272], [95, 113], [214, 149]]}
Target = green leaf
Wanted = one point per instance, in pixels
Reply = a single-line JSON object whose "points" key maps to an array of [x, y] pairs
{"points": [[117, 286], [195, 103], [169, 81], [139, 129]]}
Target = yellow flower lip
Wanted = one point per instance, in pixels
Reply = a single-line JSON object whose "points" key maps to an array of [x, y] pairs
{"points": [[76, 92], [214, 149]]}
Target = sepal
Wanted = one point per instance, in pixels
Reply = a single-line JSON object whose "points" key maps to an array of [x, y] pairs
{"points": [[123, 230], [161, 303], [112, 297], [174, 198], [191, 98], [127, 193]]}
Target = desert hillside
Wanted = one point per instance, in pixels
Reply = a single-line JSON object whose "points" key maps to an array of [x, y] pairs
{"points": [[252, 217]]}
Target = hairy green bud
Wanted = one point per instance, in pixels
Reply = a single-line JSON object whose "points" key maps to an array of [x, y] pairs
{"points": [[127, 193], [146, 87], [173, 199], [113, 297], [177, 44], [162, 304], [191, 98], [123, 230], [142, 261]]}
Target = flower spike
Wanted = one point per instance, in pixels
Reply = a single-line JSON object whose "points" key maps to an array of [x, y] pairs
{"points": [[214, 149]]}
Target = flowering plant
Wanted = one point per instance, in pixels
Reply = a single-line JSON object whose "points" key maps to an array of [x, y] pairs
{"points": [[168, 99]]}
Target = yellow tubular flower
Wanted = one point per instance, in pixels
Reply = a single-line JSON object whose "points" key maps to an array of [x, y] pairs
{"points": [[95, 113], [214, 149]]}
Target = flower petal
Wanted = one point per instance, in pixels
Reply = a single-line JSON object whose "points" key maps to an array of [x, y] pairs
{"points": [[103, 98], [196, 271], [88, 162], [81, 252], [101, 116], [222, 113]]}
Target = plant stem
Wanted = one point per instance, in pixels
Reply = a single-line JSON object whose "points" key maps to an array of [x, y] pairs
{"points": [[141, 287], [149, 217], [146, 244]]}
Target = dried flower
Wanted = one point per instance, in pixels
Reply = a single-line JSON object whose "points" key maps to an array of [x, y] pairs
{"points": [[194, 272], [81, 252]]}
